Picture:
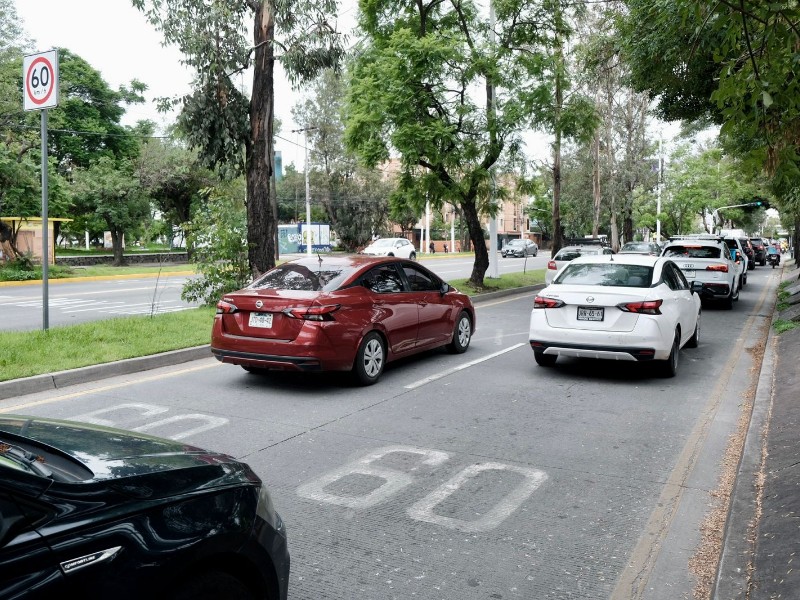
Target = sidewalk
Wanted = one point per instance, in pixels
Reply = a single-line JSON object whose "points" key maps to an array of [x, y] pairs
{"points": [[761, 554]]}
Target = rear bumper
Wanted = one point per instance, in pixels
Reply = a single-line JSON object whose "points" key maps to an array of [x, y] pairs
{"points": [[715, 290], [285, 363], [601, 352]]}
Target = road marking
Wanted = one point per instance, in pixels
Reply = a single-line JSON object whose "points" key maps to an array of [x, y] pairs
{"points": [[472, 363], [116, 386]]}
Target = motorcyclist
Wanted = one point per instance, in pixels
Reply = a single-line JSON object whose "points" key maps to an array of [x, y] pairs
{"points": [[773, 254]]}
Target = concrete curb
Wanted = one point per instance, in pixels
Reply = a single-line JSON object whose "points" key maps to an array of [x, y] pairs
{"points": [[52, 381]]}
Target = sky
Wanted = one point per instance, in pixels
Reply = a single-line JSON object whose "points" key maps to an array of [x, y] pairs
{"points": [[116, 39]]}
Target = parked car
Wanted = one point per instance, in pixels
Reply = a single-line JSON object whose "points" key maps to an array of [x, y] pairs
{"points": [[391, 247], [96, 512], [341, 313], [759, 250], [520, 248], [648, 248], [627, 307], [707, 259], [569, 253]]}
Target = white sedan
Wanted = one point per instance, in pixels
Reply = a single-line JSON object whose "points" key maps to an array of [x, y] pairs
{"points": [[618, 307], [400, 247]]}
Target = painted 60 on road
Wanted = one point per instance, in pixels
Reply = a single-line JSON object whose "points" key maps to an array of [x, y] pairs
{"points": [[393, 481]]}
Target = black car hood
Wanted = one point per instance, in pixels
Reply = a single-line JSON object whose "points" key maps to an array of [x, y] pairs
{"points": [[115, 454]]}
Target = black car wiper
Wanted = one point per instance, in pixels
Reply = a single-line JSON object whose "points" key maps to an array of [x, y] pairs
{"points": [[28, 459]]}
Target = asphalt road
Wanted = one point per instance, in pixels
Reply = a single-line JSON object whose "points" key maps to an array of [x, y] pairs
{"points": [[79, 301], [470, 476]]}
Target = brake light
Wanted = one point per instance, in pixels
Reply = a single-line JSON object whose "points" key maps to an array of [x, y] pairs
{"points": [[720, 268], [552, 265], [226, 308], [313, 313], [545, 302], [647, 307]]}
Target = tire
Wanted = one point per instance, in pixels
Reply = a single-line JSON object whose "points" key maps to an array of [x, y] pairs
{"points": [[462, 334], [694, 341], [370, 359], [213, 585], [669, 367], [738, 291], [412, 256], [544, 360]]}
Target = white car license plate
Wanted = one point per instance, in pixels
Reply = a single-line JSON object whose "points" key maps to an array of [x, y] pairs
{"points": [[590, 314], [263, 320], [689, 273]]}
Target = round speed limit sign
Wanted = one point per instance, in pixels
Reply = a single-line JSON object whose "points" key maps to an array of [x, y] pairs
{"points": [[40, 80]]}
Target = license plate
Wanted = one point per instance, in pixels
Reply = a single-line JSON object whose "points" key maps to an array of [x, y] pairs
{"points": [[688, 273], [263, 320], [590, 314]]}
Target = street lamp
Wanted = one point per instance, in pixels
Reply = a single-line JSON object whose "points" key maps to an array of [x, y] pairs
{"points": [[305, 130]]}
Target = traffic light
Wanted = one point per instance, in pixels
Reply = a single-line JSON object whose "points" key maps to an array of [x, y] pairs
{"points": [[760, 203]]}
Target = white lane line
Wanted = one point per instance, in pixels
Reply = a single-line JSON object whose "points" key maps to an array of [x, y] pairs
{"points": [[472, 363]]}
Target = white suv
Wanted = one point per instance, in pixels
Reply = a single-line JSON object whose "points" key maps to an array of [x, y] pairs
{"points": [[707, 259]]}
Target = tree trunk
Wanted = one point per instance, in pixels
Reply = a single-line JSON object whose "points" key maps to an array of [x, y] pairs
{"points": [[262, 206], [596, 185], [481, 264], [117, 236]]}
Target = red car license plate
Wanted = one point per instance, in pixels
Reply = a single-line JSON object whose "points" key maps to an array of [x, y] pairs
{"points": [[586, 313], [263, 320]]}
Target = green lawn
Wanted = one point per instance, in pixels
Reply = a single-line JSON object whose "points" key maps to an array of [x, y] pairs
{"points": [[27, 353]]}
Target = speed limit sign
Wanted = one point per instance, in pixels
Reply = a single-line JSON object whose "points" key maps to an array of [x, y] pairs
{"points": [[40, 80]]}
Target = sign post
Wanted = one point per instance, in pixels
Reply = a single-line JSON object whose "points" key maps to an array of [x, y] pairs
{"points": [[40, 92]]}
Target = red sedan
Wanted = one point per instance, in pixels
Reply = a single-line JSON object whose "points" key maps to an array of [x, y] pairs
{"points": [[340, 313]]}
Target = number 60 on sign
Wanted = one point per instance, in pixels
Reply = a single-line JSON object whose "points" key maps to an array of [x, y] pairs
{"points": [[40, 80]]}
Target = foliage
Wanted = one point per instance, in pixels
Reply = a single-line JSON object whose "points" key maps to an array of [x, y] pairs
{"points": [[219, 233], [28, 353], [230, 132], [782, 325], [23, 268]]}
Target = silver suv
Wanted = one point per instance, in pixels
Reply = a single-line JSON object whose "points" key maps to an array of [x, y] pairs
{"points": [[707, 259]]}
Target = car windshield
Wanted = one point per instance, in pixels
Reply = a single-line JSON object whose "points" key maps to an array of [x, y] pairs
{"points": [[693, 251], [573, 253], [515, 243], [293, 276], [606, 274], [636, 247], [383, 243]]}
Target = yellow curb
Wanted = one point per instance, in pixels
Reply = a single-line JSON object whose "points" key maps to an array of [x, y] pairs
{"points": [[97, 278]]}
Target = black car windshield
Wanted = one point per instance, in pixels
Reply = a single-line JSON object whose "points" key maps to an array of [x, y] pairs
{"points": [[606, 274], [295, 276]]}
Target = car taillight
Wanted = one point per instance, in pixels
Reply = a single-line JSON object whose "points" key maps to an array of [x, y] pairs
{"points": [[226, 308], [647, 307], [552, 265], [313, 313], [720, 268], [545, 302]]}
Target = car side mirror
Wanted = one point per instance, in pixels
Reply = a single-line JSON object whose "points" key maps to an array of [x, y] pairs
{"points": [[697, 287], [445, 287]]}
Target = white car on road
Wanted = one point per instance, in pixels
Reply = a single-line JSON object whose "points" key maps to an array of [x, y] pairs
{"points": [[708, 261], [626, 307], [391, 247]]}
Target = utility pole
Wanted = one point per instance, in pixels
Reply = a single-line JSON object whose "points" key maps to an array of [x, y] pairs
{"points": [[305, 130]]}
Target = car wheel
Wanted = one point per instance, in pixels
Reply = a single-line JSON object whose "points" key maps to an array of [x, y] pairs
{"points": [[669, 368], [727, 303], [536, 253], [544, 360], [738, 291], [461, 335], [694, 341], [412, 256], [214, 585], [370, 359]]}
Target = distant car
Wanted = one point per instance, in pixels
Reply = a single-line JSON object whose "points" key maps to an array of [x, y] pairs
{"points": [[624, 307], [95, 512], [707, 260], [648, 248], [400, 247], [759, 250], [569, 253], [340, 313], [520, 248], [748, 252]]}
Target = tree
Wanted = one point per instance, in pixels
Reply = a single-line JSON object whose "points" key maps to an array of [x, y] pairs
{"points": [[110, 189], [216, 117]]}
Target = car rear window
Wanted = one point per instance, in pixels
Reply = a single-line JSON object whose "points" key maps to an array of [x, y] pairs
{"points": [[293, 276], [693, 251], [607, 274]]}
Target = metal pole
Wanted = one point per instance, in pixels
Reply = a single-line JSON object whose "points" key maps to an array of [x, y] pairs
{"points": [[308, 201], [658, 187], [45, 228]]}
